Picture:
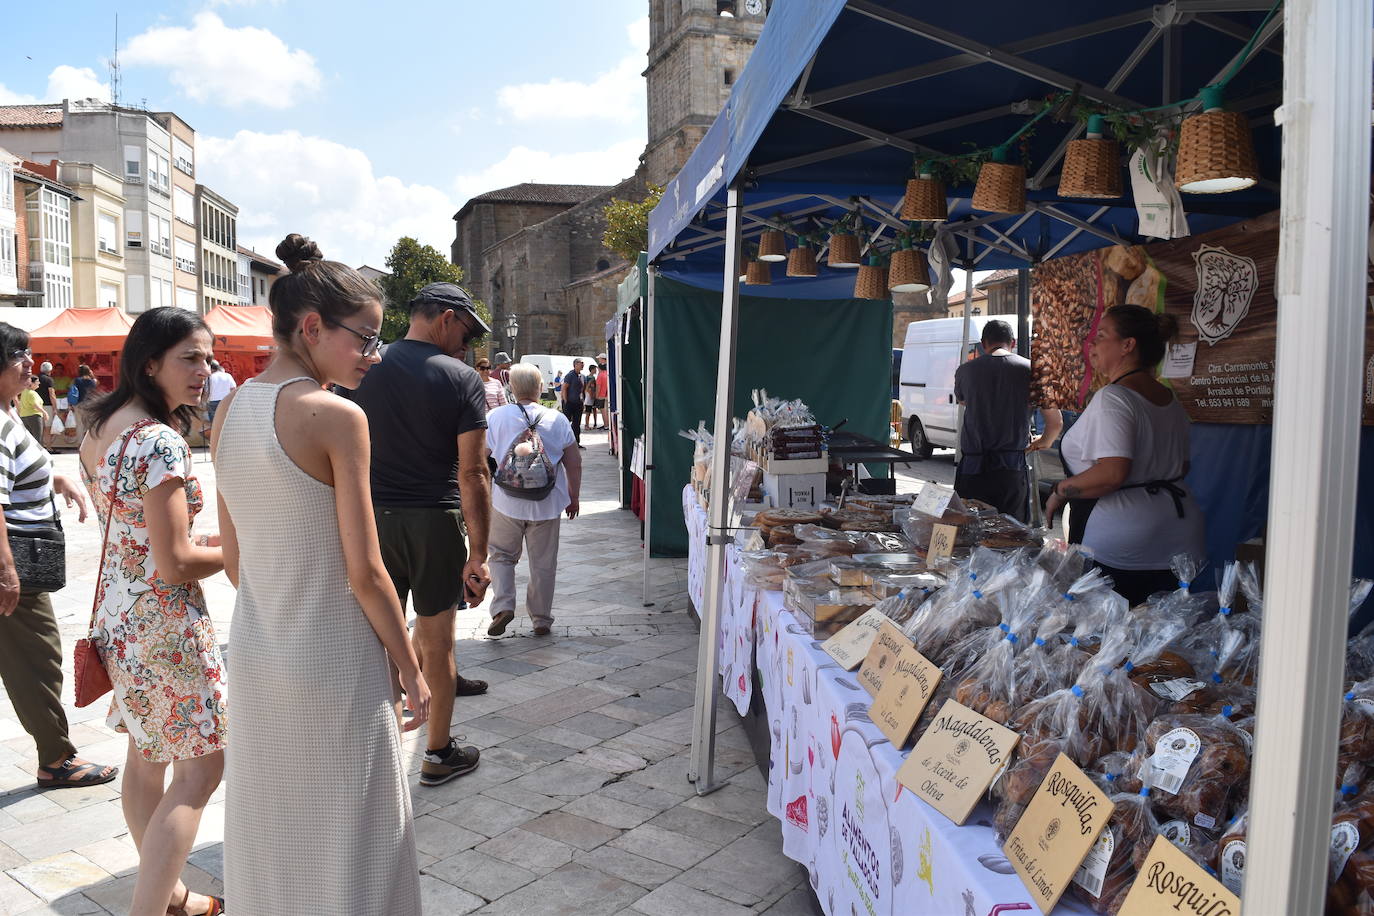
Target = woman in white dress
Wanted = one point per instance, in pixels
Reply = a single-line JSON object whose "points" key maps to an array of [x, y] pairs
{"points": [[317, 814]]}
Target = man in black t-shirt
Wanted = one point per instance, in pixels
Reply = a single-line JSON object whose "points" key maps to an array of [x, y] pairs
{"points": [[46, 396], [427, 417], [574, 386]]}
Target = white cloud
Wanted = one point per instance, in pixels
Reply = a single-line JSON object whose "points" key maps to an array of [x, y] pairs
{"points": [[606, 166], [287, 182], [64, 82], [211, 62], [616, 95]]}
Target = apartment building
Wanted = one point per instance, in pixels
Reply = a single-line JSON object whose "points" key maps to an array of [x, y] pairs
{"points": [[9, 221], [44, 235], [98, 277], [217, 241], [257, 272], [153, 154], [185, 213]]}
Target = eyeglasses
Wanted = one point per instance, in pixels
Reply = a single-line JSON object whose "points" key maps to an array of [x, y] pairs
{"points": [[484, 368], [371, 342], [19, 355]]}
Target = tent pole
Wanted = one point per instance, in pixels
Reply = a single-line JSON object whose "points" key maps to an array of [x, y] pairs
{"points": [[646, 333], [963, 351], [1320, 286], [703, 762]]}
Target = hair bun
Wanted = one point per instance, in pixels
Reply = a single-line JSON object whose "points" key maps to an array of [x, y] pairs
{"points": [[1168, 326], [296, 251]]}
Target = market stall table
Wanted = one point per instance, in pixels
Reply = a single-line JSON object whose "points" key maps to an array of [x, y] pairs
{"points": [[853, 449], [870, 845]]}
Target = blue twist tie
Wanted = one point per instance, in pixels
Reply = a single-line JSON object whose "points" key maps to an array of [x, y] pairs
{"points": [[1216, 677], [1039, 641], [1226, 711], [973, 575], [1129, 666], [1012, 638], [1225, 612], [1350, 695], [1349, 789], [1073, 641], [1213, 653], [901, 595], [1069, 596], [977, 594], [1077, 691], [1004, 628], [1184, 583], [1144, 791], [1111, 777], [1209, 870]]}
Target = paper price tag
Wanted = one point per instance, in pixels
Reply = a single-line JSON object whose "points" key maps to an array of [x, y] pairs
{"points": [[906, 690], [851, 644], [882, 654], [956, 760], [1179, 359], [941, 542], [933, 499], [1059, 826], [1170, 882]]}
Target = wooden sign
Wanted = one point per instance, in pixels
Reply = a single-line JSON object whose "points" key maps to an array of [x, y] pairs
{"points": [[1171, 882], [906, 690], [941, 542], [882, 654], [1059, 826], [851, 644], [956, 760]]}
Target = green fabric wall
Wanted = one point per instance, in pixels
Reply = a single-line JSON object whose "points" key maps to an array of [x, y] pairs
{"points": [[836, 355], [631, 398]]}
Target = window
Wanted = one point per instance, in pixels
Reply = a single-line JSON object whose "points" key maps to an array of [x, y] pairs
{"points": [[162, 293], [186, 298], [728, 77], [57, 229], [184, 156], [133, 165], [107, 232], [159, 172], [164, 236], [6, 186], [245, 284], [133, 228], [183, 206], [57, 290], [8, 260], [184, 253], [109, 295], [136, 295]]}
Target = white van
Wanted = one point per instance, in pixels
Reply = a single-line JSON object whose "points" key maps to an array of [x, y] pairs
{"points": [[930, 416], [550, 366]]}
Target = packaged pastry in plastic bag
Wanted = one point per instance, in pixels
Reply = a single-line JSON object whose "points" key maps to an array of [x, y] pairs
{"points": [[1231, 853], [1195, 763], [1111, 863], [989, 685], [964, 605]]}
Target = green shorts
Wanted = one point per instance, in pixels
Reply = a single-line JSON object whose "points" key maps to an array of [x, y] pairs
{"points": [[424, 550]]}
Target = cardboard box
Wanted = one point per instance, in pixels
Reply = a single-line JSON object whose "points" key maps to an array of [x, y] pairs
{"points": [[794, 491]]}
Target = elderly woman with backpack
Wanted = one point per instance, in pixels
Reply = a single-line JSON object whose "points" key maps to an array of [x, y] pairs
{"points": [[537, 479]]}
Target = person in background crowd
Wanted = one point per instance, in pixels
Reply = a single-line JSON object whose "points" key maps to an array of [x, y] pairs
{"points": [[1129, 454], [500, 366], [47, 394], [593, 404], [82, 388], [494, 391], [221, 382], [529, 523], [427, 415], [30, 643], [603, 390], [995, 392], [573, 387], [31, 411], [318, 816], [137, 469], [558, 389]]}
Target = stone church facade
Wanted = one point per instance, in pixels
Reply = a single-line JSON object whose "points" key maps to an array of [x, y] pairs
{"points": [[534, 250]]}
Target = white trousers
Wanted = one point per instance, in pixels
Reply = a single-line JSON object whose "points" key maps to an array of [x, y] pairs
{"points": [[505, 541]]}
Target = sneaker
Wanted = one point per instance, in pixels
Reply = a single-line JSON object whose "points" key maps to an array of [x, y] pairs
{"points": [[450, 763], [500, 622]]}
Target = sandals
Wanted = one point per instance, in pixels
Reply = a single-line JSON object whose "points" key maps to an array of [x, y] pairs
{"points": [[216, 906], [69, 775]]}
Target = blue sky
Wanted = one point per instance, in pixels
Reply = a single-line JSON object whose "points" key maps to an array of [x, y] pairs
{"points": [[353, 125]]}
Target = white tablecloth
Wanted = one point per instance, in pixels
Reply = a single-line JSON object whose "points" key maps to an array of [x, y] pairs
{"points": [[872, 847]]}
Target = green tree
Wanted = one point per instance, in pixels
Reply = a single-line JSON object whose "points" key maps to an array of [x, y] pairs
{"points": [[627, 224], [413, 266]]}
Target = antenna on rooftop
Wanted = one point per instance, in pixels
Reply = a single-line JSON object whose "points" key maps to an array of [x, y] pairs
{"points": [[114, 66]]}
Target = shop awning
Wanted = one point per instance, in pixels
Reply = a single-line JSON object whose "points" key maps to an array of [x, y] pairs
{"points": [[241, 327], [82, 331]]}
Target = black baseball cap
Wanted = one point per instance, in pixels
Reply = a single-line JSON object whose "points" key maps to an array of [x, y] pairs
{"points": [[449, 296]]}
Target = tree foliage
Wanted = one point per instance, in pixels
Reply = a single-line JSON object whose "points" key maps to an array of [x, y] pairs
{"points": [[411, 266], [627, 224]]}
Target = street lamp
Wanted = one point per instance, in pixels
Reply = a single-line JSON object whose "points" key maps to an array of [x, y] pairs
{"points": [[512, 330]]}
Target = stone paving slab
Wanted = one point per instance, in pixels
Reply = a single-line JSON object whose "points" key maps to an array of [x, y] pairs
{"points": [[580, 805]]}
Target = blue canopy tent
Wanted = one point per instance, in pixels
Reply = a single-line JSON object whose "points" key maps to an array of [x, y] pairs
{"points": [[841, 97]]}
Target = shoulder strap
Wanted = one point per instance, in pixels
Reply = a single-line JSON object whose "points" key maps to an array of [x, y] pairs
{"points": [[530, 424], [109, 517]]}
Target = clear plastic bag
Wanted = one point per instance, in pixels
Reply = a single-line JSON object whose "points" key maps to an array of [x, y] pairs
{"points": [[988, 685], [1195, 762]]}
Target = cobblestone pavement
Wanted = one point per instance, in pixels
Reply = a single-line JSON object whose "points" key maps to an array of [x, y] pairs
{"points": [[580, 805]]}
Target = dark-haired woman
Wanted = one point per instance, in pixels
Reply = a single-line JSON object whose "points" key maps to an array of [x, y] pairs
{"points": [[1129, 451], [152, 625], [317, 815], [30, 644]]}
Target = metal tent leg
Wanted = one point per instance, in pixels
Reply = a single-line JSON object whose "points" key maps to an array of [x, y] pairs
{"points": [[1320, 287], [703, 762], [646, 330]]}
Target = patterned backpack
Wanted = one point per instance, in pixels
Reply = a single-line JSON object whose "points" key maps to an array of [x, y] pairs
{"points": [[526, 471]]}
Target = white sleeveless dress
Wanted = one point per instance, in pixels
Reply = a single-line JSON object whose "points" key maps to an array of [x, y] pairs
{"points": [[317, 812]]}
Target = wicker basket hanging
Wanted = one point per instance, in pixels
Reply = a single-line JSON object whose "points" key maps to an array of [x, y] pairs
{"points": [[1001, 188], [907, 272], [871, 282], [1092, 168], [772, 245], [844, 250], [758, 273], [801, 262], [1216, 153], [924, 200]]}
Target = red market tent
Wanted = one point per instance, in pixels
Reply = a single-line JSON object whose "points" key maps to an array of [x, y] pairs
{"points": [[243, 338], [82, 331]]}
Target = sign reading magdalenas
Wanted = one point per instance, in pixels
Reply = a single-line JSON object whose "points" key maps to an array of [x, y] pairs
{"points": [[956, 760]]}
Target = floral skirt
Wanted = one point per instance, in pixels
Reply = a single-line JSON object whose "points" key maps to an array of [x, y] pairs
{"points": [[168, 676]]}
